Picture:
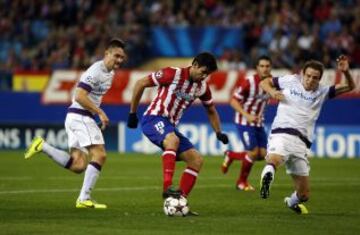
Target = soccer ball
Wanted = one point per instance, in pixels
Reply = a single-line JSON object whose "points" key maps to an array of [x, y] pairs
{"points": [[176, 206]]}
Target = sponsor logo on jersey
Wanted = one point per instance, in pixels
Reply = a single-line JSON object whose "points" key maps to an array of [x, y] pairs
{"points": [[302, 96]]}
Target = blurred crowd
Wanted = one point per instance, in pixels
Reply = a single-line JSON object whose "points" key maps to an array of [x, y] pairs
{"points": [[55, 34]]}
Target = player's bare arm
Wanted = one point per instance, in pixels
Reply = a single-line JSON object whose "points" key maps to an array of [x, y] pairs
{"points": [[213, 118], [139, 88], [215, 123], [237, 106], [81, 96], [348, 85], [268, 86]]}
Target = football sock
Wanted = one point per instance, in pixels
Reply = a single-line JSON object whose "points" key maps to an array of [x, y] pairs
{"points": [[59, 156], [236, 155], [92, 173], [168, 161], [246, 166], [293, 200], [268, 168], [188, 180]]}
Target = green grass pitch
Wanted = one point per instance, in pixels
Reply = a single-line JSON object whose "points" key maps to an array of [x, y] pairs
{"points": [[38, 197]]}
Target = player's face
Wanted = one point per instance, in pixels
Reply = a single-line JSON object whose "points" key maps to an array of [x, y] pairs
{"points": [[115, 57], [197, 73], [263, 68], [311, 79]]}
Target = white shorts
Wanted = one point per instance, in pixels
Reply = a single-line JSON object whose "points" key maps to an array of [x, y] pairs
{"points": [[293, 151], [82, 131]]}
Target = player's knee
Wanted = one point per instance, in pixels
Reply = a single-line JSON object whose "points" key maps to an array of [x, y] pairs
{"points": [[197, 163], [253, 154], [78, 165], [171, 141], [101, 159]]}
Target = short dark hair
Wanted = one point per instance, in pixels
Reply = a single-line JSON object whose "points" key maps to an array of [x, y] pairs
{"points": [[116, 42], [263, 57], [206, 59], [314, 64]]}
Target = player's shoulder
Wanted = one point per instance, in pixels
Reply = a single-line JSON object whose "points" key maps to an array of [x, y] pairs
{"points": [[246, 80], [95, 68], [290, 79], [323, 88], [293, 76], [97, 65], [165, 72]]}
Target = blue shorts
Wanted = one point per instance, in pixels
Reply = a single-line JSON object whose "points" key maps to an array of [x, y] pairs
{"points": [[252, 137], [155, 128]]}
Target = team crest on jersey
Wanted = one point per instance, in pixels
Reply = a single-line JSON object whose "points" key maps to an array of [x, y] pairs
{"points": [[183, 95], [89, 80], [159, 74]]}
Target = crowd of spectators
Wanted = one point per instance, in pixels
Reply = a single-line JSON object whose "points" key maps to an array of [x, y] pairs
{"points": [[53, 34]]}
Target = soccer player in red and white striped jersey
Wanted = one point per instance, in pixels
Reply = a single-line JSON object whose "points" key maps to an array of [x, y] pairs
{"points": [[249, 102], [178, 88]]}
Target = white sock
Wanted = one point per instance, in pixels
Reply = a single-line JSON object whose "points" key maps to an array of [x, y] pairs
{"points": [[59, 156], [293, 200], [92, 173], [268, 168]]}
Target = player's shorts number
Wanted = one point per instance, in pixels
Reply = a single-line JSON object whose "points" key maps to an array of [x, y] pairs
{"points": [[160, 127]]}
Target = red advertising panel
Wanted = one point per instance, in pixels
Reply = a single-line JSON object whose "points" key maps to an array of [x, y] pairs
{"points": [[62, 83]]}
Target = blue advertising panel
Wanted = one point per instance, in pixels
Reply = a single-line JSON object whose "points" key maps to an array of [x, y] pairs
{"points": [[18, 137], [330, 141]]}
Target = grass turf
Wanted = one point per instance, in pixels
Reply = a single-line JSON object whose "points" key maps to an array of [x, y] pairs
{"points": [[38, 197]]}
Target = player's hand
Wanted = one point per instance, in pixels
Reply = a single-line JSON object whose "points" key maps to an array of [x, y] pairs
{"points": [[265, 76], [222, 137], [278, 95], [343, 63], [132, 121], [104, 120], [252, 118]]}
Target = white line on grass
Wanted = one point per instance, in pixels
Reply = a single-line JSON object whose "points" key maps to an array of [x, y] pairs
{"points": [[119, 189], [318, 179]]}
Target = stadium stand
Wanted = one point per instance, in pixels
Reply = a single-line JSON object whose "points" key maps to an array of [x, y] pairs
{"points": [[71, 34]]}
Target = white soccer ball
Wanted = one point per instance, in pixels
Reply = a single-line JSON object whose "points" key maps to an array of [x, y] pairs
{"points": [[176, 206]]}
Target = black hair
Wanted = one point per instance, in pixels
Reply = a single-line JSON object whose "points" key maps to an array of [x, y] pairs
{"points": [[116, 42], [206, 59], [263, 57], [314, 64]]}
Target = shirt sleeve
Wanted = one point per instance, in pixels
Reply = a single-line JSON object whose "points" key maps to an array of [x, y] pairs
{"points": [[206, 98], [87, 81], [332, 92], [242, 91], [283, 82], [162, 77]]}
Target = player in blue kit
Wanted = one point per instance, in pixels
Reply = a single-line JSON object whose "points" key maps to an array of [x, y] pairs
{"points": [[249, 102]]}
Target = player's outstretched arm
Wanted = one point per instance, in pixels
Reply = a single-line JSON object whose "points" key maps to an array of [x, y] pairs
{"points": [[139, 88], [268, 86], [349, 85]]}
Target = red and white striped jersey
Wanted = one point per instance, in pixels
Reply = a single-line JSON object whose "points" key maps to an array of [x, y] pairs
{"points": [[253, 100], [176, 92]]}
